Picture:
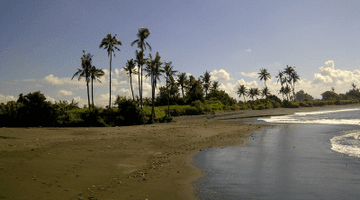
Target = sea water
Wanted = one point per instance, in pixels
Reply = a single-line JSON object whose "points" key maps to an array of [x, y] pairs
{"points": [[314, 155]]}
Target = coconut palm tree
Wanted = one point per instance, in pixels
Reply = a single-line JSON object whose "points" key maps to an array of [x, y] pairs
{"points": [[154, 70], [264, 75], [85, 72], [141, 61], [110, 44], [206, 81], [265, 92], [253, 92], [214, 86], [142, 34], [241, 90], [169, 73], [182, 80], [292, 77], [95, 75], [130, 68]]}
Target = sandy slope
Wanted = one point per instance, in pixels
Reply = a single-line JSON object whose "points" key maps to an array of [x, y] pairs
{"points": [[136, 162]]}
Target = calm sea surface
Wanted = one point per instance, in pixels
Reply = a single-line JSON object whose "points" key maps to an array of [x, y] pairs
{"points": [[314, 155]]}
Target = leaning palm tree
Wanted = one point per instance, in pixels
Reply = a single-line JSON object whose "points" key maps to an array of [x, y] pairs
{"points": [[110, 44], [130, 68], [85, 72], [169, 73], [241, 90], [142, 35], [154, 70], [95, 75], [264, 75], [182, 80], [206, 81]]}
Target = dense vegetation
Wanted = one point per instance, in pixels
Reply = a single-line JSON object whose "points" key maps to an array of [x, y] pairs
{"points": [[181, 95]]}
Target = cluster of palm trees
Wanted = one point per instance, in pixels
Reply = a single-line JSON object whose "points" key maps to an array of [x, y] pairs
{"points": [[90, 73], [287, 78]]}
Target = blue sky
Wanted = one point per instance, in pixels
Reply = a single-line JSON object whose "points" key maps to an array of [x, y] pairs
{"points": [[42, 42]]}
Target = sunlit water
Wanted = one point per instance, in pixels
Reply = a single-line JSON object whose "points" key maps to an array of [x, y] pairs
{"points": [[315, 155]]}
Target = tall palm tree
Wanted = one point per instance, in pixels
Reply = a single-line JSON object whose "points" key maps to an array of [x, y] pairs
{"points": [[206, 81], [281, 77], [292, 77], [95, 75], [264, 75], [182, 80], [154, 70], [142, 34], [85, 72], [110, 44], [169, 73], [214, 86], [241, 90], [140, 60], [130, 68]]}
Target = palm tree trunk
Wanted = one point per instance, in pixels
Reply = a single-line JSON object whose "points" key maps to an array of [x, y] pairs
{"points": [[110, 82], [139, 84], [167, 88], [87, 85], [152, 99], [132, 91], [182, 90], [141, 88], [92, 93]]}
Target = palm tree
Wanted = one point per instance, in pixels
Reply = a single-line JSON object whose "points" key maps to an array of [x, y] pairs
{"points": [[169, 73], [241, 90], [281, 77], [142, 34], [85, 71], [292, 77], [154, 70], [253, 92], [214, 86], [140, 60], [264, 75], [265, 92], [110, 44], [95, 75], [182, 81], [206, 81], [130, 68]]}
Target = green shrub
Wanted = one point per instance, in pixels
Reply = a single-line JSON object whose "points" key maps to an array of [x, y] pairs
{"points": [[129, 112]]}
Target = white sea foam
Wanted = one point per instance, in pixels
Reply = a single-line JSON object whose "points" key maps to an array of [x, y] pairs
{"points": [[325, 111], [348, 143], [290, 119]]}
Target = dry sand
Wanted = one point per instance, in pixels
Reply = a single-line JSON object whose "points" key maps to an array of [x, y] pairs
{"points": [[134, 162]]}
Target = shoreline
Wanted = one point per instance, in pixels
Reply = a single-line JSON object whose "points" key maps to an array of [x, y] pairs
{"points": [[135, 162]]}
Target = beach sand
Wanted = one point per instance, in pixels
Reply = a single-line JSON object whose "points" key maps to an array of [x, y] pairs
{"points": [[134, 162]]}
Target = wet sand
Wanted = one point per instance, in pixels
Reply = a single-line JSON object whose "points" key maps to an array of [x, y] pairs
{"points": [[135, 162]]}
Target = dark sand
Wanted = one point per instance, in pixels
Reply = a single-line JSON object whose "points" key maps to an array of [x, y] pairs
{"points": [[135, 162]]}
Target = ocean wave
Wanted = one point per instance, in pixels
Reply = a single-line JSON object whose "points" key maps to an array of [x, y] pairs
{"points": [[348, 143]]}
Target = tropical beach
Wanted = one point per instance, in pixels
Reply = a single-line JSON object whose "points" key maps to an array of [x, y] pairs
{"points": [[154, 161]]}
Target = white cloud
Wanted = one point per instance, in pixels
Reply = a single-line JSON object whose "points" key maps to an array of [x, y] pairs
{"points": [[61, 81], [4, 99], [103, 100], [220, 75], [251, 75], [48, 98], [62, 93], [248, 50]]}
